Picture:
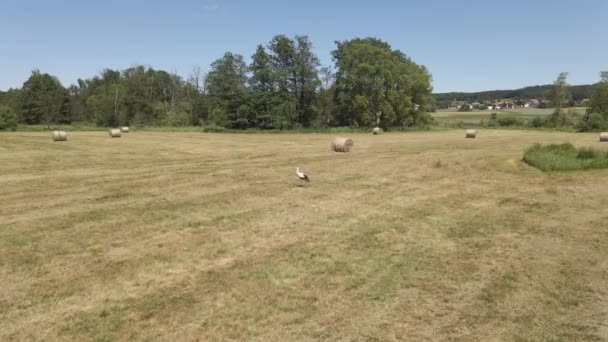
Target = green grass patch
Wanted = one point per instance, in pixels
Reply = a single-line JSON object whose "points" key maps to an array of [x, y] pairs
{"points": [[565, 157]]}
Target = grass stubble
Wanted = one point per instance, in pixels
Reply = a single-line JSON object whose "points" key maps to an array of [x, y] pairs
{"points": [[190, 236]]}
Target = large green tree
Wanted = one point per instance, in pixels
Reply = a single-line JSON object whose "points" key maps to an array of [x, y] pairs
{"points": [[376, 83], [296, 77], [262, 96], [324, 104], [559, 94], [44, 100], [102, 97], [283, 57], [262, 77], [227, 86], [78, 96], [307, 79], [596, 117], [195, 92], [599, 100]]}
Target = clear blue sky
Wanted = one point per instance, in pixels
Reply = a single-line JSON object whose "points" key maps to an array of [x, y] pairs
{"points": [[467, 45]]}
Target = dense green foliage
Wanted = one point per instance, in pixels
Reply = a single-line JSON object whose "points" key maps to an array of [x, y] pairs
{"points": [[508, 120], [283, 87], [596, 117], [565, 157], [43, 100], [8, 118], [376, 85], [559, 93], [560, 97]]}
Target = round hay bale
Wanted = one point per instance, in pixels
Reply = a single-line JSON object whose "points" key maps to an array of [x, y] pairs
{"points": [[114, 133], [377, 131], [342, 144], [471, 133], [604, 136], [60, 136], [124, 129]]}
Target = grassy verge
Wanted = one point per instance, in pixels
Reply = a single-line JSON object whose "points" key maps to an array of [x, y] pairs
{"points": [[565, 157]]}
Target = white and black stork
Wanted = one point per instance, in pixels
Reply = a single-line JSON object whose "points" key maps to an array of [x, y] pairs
{"points": [[302, 176]]}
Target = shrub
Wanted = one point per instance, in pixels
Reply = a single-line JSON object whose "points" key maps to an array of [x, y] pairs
{"points": [[217, 117], [537, 122], [8, 119], [213, 129], [565, 157], [593, 122], [176, 119], [563, 119], [509, 120]]}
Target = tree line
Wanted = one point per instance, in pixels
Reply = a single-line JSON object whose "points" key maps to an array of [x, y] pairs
{"points": [[577, 94], [284, 86]]}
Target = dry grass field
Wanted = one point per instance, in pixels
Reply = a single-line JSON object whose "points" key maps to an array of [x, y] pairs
{"points": [[191, 236]]}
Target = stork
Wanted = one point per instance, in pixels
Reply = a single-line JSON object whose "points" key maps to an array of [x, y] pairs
{"points": [[302, 176]]}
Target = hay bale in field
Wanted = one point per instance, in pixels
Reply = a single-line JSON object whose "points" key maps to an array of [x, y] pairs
{"points": [[342, 144], [604, 136], [124, 129], [471, 133], [59, 136], [114, 133], [377, 131]]}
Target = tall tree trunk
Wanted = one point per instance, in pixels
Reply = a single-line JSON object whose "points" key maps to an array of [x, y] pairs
{"points": [[116, 107]]}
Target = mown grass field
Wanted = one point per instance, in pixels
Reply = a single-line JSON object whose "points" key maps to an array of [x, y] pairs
{"points": [[191, 236]]}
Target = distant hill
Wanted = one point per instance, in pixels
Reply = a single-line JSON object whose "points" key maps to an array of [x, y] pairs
{"points": [[579, 92]]}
